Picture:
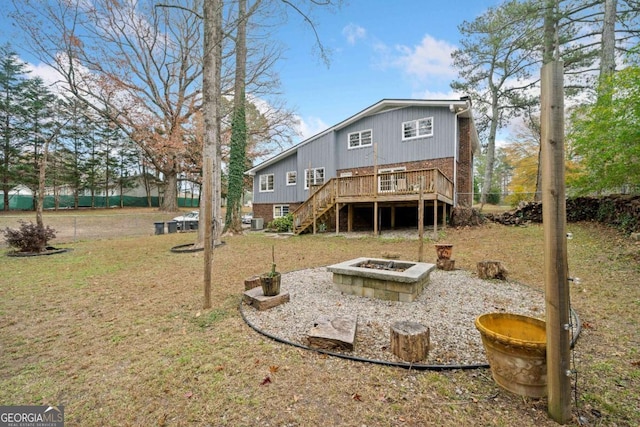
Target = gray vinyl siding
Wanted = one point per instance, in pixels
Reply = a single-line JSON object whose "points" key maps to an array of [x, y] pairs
{"points": [[330, 150], [387, 134], [282, 193], [320, 153]]}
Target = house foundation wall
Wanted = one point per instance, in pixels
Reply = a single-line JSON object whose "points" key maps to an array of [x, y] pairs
{"points": [[265, 210]]}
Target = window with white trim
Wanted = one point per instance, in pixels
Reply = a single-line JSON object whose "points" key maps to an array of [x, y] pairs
{"points": [[266, 183], [280, 210], [417, 128], [361, 138], [314, 176], [392, 179], [292, 177]]}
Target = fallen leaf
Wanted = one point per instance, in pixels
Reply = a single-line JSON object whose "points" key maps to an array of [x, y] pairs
{"points": [[266, 380], [162, 420], [357, 397], [636, 363], [296, 398], [273, 369], [256, 362], [188, 394], [219, 368]]}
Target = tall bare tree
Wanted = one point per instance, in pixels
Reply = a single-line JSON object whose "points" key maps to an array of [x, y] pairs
{"points": [[138, 65]]}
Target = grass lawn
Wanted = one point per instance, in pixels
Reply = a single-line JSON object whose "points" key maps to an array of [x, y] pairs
{"points": [[114, 331]]}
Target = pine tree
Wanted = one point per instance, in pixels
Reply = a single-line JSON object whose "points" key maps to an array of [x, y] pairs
{"points": [[13, 74]]}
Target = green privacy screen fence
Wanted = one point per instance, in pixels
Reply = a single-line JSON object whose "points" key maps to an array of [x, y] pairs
{"points": [[25, 203]]}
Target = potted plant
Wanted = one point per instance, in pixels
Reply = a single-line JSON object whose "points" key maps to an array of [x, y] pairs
{"points": [[270, 281], [444, 250]]}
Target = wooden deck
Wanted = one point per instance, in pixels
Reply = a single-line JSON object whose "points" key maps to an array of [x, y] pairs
{"points": [[386, 187]]}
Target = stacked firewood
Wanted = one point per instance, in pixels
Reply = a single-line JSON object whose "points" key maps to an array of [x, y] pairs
{"points": [[621, 211]]}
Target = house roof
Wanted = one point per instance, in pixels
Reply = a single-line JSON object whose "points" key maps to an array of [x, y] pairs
{"points": [[462, 106]]}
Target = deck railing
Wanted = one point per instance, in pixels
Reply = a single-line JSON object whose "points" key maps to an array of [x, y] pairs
{"points": [[366, 187], [321, 196]]}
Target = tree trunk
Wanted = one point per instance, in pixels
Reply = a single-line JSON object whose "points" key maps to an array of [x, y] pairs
{"points": [[491, 152], [170, 200], [211, 94], [238, 128], [607, 55], [538, 196], [41, 176]]}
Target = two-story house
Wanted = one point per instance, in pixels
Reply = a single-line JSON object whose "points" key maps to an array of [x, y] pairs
{"points": [[373, 170]]}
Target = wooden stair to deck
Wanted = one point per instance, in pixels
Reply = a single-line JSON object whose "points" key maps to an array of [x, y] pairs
{"points": [[319, 207]]}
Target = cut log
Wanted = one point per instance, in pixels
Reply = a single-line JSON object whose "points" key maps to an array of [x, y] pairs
{"points": [[410, 341], [331, 334], [445, 264], [492, 270], [254, 297], [251, 282]]}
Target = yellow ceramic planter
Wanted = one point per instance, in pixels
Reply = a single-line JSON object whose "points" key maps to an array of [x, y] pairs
{"points": [[516, 347]]}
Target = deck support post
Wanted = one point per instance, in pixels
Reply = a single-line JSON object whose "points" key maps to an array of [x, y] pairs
{"points": [[375, 218], [421, 222], [337, 218], [393, 217], [435, 219]]}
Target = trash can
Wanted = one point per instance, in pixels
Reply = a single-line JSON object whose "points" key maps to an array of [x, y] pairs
{"points": [[159, 227], [172, 226]]}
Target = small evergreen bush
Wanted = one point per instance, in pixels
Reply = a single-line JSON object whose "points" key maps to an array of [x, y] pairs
{"points": [[282, 224], [29, 237]]}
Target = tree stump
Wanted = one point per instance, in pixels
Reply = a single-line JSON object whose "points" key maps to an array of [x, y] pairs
{"points": [[410, 341], [445, 264], [492, 270]]}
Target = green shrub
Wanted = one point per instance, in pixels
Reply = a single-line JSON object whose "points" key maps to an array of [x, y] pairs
{"points": [[519, 195], [282, 224], [29, 237], [493, 198]]}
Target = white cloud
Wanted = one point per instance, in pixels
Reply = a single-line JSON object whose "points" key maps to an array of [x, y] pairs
{"points": [[353, 33], [49, 76], [431, 58], [428, 94], [309, 126]]}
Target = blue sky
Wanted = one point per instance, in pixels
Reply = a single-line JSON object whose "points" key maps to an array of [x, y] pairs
{"points": [[379, 49]]}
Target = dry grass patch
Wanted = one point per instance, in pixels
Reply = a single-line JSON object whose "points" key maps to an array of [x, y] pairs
{"points": [[114, 331]]}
